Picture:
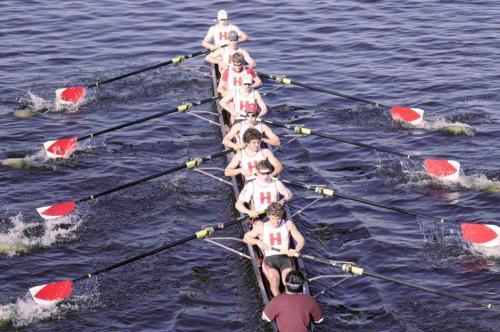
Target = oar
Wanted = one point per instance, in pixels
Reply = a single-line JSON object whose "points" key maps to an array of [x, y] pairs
{"points": [[483, 235], [49, 294], [76, 94], [61, 209], [63, 148], [358, 271], [399, 113], [447, 170]]}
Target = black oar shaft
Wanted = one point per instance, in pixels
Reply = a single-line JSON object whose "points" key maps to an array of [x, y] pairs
{"points": [[363, 200], [188, 164], [282, 79], [183, 107], [161, 64], [307, 131], [195, 236]]}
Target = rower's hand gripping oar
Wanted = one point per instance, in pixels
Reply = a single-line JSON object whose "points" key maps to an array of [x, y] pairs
{"points": [[399, 113], [63, 148], [62, 209], [49, 294], [484, 235], [359, 271], [76, 94], [446, 170]]}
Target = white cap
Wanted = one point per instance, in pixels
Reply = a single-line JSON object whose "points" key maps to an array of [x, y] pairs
{"points": [[247, 79], [222, 15]]}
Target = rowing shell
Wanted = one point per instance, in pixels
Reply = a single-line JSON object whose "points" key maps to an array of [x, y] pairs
{"points": [[237, 184]]}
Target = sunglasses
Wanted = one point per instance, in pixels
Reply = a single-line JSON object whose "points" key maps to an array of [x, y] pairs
{"points": [[252, 115], [265, 173], [239, 65]]}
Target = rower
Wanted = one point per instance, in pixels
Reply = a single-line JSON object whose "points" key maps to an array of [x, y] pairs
{"points": [[293, 310], [220, 32], [238, 130], [275, 233], [245, 161], [232, 77], [223, 56], [262, 191], [237, 103]]}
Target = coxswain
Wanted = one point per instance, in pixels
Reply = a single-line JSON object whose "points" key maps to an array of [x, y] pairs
{"points": [[220, 32], [245, 161], [293, 311], [275, 234], [262, 191], [223, 56], [238, 130], [247, 98], [232, 77]]}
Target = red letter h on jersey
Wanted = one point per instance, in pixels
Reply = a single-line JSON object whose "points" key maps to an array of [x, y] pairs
{"points": [[251, 166], [238, 81], [275, 237], [223, 35], [265, 197]]}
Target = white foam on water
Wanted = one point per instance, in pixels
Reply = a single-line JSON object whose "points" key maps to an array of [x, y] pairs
{"points": [[445, 126], [16, 240], [479, 182], [39, 104]]}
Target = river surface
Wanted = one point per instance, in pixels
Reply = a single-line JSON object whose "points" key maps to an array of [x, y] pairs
{"points": [[436, 55]]}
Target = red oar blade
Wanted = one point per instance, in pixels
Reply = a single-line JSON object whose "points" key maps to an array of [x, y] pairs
{"points": [[72, 95], [60, 148], [481, 234], [407, 114], [56, 211], [50, 294], [447, 170]]}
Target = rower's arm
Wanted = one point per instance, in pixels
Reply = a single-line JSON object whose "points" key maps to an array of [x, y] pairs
{"points": [[299, 239], [228, 104], [275, 162], [214, 58], [242, 37], [257, 82], [251, 237], [232, 168], [249, 59], [206, 41], [240, 206], [227, 141], [260, 102], [271, 138], [284, 191], [222, 87]]}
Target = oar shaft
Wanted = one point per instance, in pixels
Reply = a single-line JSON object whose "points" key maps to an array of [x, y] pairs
{"points": [[307, 131], [279, 79], [182, 107], [189, 164], [195, 236], [161, 64]]}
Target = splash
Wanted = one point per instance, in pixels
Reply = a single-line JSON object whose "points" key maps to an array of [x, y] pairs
{"points": [[20, 239], [480, 182], [37, 104], [442, 125]]}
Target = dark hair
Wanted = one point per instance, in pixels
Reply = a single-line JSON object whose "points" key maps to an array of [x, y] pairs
{"points": [[251, 134], [274, 209], [294, 282], [265, 164]]}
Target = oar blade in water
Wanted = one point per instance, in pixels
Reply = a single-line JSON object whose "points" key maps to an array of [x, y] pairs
{"points": [[446, 170], [481, 234], [50, 294], [69, 96], [56, 211], [60, 148], [407, 114]]}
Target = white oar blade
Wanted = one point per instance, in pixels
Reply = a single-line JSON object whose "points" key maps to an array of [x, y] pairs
{"points": [[60, 148], [56, 211], [72, 95], [481, 234], [50, 294], [410, 115], [446, 170]]}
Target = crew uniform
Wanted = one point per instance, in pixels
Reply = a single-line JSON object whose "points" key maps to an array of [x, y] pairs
{"points": [[260, 194], [234, 79], [277, 238], [249, 163], [220, 33]]}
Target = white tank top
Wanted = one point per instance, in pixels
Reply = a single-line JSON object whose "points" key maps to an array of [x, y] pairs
{"points": [[235, 79], [240, 101], [227, 55], [263, 194], [277, 238], [245, 126], [221, 33], [250, 163]]}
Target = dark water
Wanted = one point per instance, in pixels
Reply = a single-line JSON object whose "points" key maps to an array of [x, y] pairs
{"points": [[442, 57]]}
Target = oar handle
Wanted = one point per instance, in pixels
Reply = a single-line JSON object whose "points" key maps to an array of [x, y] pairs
{"points": [[180, 108], [285, 80], [190, 164], [161, 64], [207, 231]]}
